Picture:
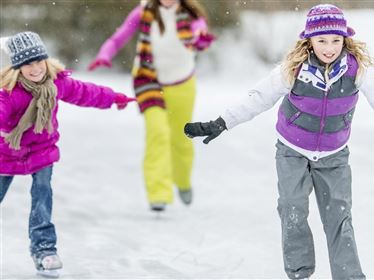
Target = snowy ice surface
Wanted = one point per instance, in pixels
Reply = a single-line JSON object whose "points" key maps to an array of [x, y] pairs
{"points": [[106, 231], [231, 231]]}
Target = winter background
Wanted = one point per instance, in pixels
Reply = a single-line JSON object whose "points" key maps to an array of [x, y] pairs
{"points": [[232, 230]]}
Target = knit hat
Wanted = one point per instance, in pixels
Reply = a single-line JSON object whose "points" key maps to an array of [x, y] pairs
{"points": [[24, 48], [326, 19]]}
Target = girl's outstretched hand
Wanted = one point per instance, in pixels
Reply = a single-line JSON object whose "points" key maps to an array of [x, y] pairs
{"points": [[204, 40], [122, 100], [211, 129], [99, 62]]}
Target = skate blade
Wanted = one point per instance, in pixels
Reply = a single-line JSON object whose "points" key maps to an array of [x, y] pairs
{"points": [[52, 274]]}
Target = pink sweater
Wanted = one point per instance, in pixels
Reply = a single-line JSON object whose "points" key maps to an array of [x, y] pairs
{"points": [[127, 30], [40, 150]]}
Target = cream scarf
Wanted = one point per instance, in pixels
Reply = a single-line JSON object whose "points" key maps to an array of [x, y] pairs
{"points": [[39, 111]]}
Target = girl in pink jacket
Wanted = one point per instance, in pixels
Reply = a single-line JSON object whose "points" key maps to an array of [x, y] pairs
{"points": [[30, 89]]}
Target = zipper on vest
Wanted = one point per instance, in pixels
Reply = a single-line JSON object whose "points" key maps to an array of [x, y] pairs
{"points": [[323, 118], [294, 117]]}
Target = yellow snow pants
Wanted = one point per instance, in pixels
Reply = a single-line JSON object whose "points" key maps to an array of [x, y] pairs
{"points": [[168, 152]]}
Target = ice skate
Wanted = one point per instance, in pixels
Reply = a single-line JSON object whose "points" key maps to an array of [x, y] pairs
{"points": [[185, 196], [48, 266], [158, 206]]}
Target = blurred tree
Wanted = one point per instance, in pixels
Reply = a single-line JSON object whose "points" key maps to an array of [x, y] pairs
{"points": [[77, 28], [276, 5]]}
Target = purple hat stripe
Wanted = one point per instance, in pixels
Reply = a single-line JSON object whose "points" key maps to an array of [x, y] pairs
{"points": [[326, 19]]}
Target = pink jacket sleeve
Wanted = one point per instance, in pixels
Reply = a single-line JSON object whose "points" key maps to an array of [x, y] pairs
{"points": [[5, 110], [84, 94], [123, 34], [199, 25]]}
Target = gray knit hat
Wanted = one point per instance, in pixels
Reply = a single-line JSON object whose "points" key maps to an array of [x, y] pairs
{"points": [[24, 48]]}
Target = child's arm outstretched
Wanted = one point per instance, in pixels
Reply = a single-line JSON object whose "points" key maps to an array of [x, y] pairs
{"points": [[87, 94], [262, 97], [367, 85], [113, 44]]}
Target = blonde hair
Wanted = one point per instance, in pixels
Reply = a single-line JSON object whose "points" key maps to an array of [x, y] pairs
{"points": [[360, 51], [303, 48], [9, 76]]}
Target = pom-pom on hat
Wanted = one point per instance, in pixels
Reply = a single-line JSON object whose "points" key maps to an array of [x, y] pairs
{"points": [[326, 19], [24, 48]]}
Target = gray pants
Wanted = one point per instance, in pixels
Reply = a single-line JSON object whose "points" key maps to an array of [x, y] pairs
{"points": [[331, 179]]}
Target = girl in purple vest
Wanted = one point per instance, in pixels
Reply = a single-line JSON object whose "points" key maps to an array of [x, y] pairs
{"points": [[170, 34], [319, 82], [30, 89]]}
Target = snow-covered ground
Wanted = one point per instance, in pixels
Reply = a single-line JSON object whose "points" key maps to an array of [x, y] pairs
{"points": [[105, 230], [232, 230]]}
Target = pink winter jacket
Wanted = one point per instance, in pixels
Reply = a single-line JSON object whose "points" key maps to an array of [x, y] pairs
{"points": [[40, 150]]}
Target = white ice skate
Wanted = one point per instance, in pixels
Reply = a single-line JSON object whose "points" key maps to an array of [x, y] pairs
{"points": [[48, 266]]}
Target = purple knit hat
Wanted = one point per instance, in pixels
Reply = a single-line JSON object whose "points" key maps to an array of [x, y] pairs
{"points": [[326, 19]]}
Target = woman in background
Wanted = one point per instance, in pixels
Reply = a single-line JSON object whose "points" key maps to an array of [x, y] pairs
{"points": [[170, 34]]}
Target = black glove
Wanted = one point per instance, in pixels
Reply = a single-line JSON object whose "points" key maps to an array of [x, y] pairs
{"points": [[211, 129]]}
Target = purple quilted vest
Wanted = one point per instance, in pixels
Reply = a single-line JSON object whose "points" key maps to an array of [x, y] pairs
{"points": [[316, 115]]}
